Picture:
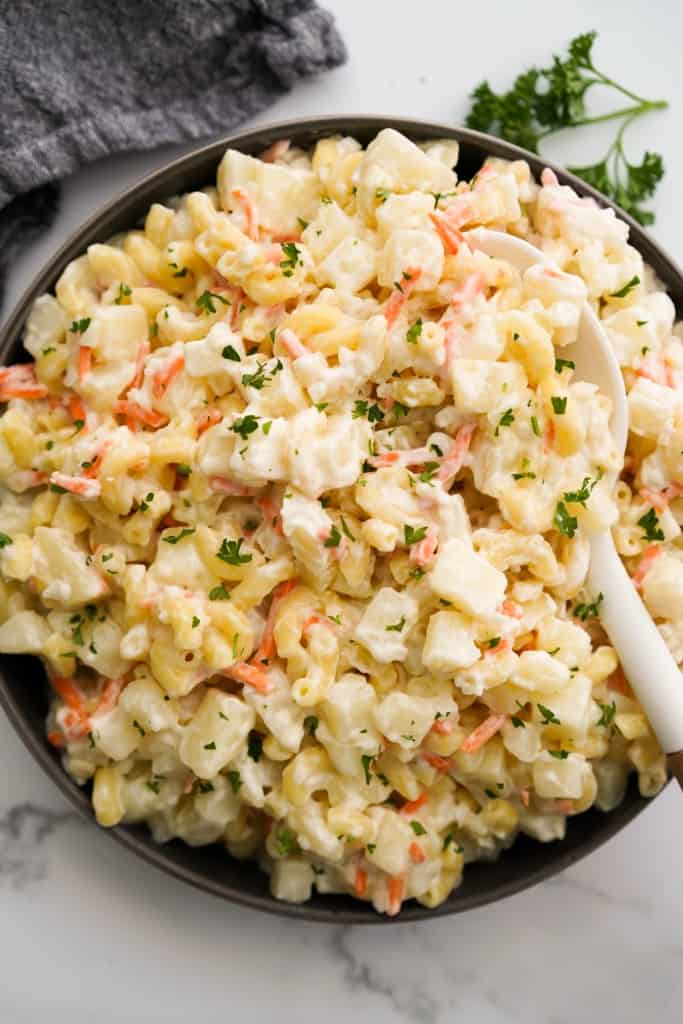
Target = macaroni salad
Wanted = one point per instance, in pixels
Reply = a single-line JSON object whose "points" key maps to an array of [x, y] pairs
{"points": [[296, 497]]}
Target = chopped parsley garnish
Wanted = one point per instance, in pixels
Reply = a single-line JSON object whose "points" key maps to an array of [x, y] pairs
{"points": [[366, 760], [418, 828], [560, 755], [559, 405], [505, 420], [154, 785], [145, 503], [311, 723], [417, 573], [382, 194], [371, 847], [210, 746], [518, 722], [346, 530], [5, 539], [260, 377], [286, 842], [581, 496], [219, 593], [195, 621], [535, 427], [206, 304], [650, 524], [412, 535], [177, 537], [180, 273], [182, 469], [397, 627], [362, 408], [565, 523], [625, 289], [235, 780], [608, 711], [587, 611], [561, 364], [204, 786], [429, 472], [491, 794], [229, 352], [399, 409], [292, 257], [123, 293], [245, 425], [303, 224], [524, 476], [266, 427], [493, 642], [136, 725], [230, 552], [548, 716], [334, 538], [80, 326], [414, 332]]}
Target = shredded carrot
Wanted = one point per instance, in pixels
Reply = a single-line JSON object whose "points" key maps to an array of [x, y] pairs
{"points": [[96, 461], [443, 727], [249, 674], [55, 739], [69, 692], [395, 890], [20, 381], [399, 296], [360, 885], [451, 237], [414, 805], [84, 361], [649, 557], [453, 462], [472, 286], [142, 352], [249, 210], [417, 854], [512, 609], [291, 344], [442, 764], [422, 553], [135, 411], [110, 696], [224, 485], [483, 733], [163, 378], [77, 410], [524, 796], [406, 457], [564, 806], [83, 486], [266, 648], [209, 418], [660, 499], [549, 436], [271, 514]]}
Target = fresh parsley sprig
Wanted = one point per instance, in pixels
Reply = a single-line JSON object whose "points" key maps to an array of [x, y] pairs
{"points": [[543, 101]]}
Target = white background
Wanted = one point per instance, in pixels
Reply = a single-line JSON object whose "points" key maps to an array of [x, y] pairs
{"points": [[87, 933]]}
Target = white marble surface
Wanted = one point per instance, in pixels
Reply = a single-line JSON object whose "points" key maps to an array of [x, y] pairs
{"points": [[88, 933]]}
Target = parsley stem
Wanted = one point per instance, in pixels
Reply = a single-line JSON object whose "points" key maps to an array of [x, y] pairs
{"points": [[626, 112]]}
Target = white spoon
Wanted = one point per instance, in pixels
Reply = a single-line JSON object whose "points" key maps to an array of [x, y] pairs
{"points": [[647, 663]]}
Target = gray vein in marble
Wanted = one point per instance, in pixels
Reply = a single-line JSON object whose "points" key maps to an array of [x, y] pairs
{"points": [[412, 1004], [594, 892], [24, 830]]}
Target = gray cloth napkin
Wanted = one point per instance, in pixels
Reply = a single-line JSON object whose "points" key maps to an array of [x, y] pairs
{"points": [[80, 79]]}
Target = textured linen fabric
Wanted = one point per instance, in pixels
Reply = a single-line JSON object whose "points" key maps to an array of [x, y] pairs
{"points": [[80, 79]]}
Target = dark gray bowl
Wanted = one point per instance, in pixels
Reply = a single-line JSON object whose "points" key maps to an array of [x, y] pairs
{"points": [[23, 690]]}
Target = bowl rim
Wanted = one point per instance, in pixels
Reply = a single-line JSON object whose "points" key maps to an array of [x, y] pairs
{"points": [[150, 188]]}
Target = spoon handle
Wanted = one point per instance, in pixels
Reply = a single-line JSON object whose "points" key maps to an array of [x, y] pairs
{"points": [[647, 662]]}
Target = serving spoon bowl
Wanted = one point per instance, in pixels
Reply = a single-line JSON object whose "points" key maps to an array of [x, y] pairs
{"points": [[646, 660]]}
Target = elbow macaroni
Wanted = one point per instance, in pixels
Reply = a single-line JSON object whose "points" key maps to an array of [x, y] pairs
{"points": [[294, 508]]}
